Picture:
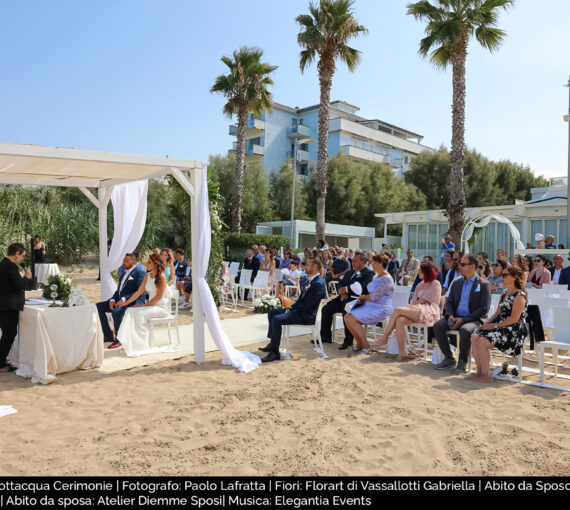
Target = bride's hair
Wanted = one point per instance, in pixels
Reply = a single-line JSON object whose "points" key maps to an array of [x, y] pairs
{"points": [[160, 267]]}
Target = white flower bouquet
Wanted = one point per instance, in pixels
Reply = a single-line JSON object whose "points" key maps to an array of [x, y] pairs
{"points": [[266, 303], [58, 287]]}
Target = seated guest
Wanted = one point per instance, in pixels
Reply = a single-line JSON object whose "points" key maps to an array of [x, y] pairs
{"points": [[549, 243], [250, 262], [482, 257], [187, 286], [506, 330], [447, 264], [12, 298], [268, 265], [287, 254], [129, 283], [468, 302], [180, 267], [322, 245], [501, 254], [169, 272], [339, 268], [483, 270], [452, 272], [565, 275], [539, 238], [495, 278], [291, 277], [539, 276], [522, 263], [347, 291], [408, 269], [303, 311], [423, 309], [372, 307], [393, 265], [557, 268], [418, 279]]}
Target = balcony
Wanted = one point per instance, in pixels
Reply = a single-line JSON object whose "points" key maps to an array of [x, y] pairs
{"points": [[360, 153], [299, 131], [302, 156], [253, 151], [254, 128]]}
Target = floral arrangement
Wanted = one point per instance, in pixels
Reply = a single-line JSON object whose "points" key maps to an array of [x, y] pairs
{"points": [[266, 303], [58, 287]]}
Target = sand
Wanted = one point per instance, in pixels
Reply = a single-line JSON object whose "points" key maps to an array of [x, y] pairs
{"points": [[348, 415]]}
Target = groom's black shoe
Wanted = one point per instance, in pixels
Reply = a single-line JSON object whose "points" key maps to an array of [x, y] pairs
{"points": [[272, 356], [267, 348], [324, 341], [345, 345]]}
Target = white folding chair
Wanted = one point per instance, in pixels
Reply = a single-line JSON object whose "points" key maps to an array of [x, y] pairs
{"points": [[233, 269], [284, 352], [169, 320], [244, 282], [561, 340]]}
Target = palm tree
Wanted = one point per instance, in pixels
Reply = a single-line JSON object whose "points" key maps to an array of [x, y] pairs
{"points": [[324, 34], [450, 26], [245, 88]]}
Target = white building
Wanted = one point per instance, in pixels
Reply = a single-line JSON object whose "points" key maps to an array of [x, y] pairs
{"points": [[545, 213]]}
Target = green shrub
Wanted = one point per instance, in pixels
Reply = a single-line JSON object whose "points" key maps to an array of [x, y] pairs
{"points": [[236, 243]]}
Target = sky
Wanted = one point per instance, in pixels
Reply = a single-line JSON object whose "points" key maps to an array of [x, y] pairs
{"points": [[134, 76]]}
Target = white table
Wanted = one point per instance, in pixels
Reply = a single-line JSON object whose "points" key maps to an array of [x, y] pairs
{"points": [[52, 341], [45, 270]]}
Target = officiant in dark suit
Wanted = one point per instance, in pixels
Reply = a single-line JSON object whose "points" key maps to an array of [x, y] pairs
{"points": [[129, 283], [12, 299], [347, 290], [303, 311]]}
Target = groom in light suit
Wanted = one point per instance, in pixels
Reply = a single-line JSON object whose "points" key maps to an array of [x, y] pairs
{"points": [[129, 283]]}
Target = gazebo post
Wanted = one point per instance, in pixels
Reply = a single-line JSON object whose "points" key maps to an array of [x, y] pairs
{"points": [[104, 197], [197, 311]]}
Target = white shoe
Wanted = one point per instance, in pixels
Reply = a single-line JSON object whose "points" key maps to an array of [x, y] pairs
{"points": [[185, 305]]}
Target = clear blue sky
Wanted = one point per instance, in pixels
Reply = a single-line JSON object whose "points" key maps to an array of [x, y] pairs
{"points": [[134, 76]]}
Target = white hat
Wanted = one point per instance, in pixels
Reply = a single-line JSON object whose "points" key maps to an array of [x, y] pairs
{"points": [[539, 237]]}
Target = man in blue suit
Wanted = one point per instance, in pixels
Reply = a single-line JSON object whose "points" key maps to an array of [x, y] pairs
{"points": [[129, 283], [304, 311], [565, 275]]}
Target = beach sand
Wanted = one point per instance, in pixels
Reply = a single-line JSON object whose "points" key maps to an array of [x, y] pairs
{"points": [[348, 415]]}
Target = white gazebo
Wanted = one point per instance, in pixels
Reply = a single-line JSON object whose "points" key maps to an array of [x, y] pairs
{"points": [[67, 167]]}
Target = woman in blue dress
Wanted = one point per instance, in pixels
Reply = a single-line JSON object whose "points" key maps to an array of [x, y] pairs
{"points": [[373, 307]]}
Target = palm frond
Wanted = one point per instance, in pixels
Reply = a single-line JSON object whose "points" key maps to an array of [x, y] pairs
{"points": [[441, 57], [490, 38]]}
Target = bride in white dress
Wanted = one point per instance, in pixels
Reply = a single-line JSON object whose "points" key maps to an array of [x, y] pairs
{"points": [[134, 333]]}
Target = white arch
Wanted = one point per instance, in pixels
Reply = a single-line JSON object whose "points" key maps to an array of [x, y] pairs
{"points": [[482, 221]]}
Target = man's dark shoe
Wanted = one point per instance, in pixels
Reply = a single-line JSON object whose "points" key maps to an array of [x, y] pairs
{"points": [[272, 356], [345, 346], [324, 341], [267, 348]]}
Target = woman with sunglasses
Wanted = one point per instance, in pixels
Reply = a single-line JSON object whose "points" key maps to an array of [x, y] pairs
{"points": [[506, 330], [539, 276], [495, 278]]}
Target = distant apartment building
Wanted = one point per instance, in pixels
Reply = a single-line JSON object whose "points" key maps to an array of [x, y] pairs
{"points": [[273, 137]]}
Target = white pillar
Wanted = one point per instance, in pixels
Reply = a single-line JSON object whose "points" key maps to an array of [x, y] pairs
{"points": [[104, 197], [197, 311]]}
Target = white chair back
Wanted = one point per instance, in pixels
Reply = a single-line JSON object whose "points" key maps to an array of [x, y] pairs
{"points": [[400, 299], [402, 289], [494, 303], [561, 325], [245, 277], [278, 275], [233, 269], [261, 280]]}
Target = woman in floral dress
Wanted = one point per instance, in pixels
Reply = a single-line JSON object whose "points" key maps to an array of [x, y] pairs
{"points": [[506, 330]]}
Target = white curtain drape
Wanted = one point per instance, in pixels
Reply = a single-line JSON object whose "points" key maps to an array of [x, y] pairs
{"points": [[129, 219], [243, 361], [483, 221]]}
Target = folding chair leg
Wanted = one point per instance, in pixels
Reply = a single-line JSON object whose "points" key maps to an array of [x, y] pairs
{"points": [[285, 353], [317, 337], [541, 361]]}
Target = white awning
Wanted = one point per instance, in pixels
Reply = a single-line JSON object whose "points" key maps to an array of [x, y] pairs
{"points": [[62, 166]]}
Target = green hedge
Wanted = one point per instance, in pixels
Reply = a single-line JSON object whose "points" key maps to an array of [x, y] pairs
{"points": [[237, 243]]}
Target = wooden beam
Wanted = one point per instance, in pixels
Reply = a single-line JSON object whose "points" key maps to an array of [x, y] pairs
{"points": [[183, 181], [90, 196]]}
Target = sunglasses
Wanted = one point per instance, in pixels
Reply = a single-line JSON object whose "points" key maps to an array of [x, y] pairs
{"points": [[537, 260], [463, 264], [496, 265], [505, 274]]}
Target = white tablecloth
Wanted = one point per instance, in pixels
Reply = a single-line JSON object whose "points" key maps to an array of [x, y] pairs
{"points": [[45, 270], [56, 340]]}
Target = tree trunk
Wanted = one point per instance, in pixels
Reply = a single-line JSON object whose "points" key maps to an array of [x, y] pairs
{"points": [[239, 174], [456, 207], [326, 71]]}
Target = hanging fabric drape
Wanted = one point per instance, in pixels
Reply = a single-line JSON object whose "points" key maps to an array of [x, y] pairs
{"points": [[483, 221], [243, 361], [129, 220]]}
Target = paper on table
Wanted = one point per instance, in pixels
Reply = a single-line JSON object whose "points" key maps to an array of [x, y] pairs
{"points": [[6, 410], [37, 301]]}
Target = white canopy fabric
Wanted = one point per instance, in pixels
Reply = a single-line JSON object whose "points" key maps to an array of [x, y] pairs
{"points": [[129, 218], [242, 360], [68, 167]]}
